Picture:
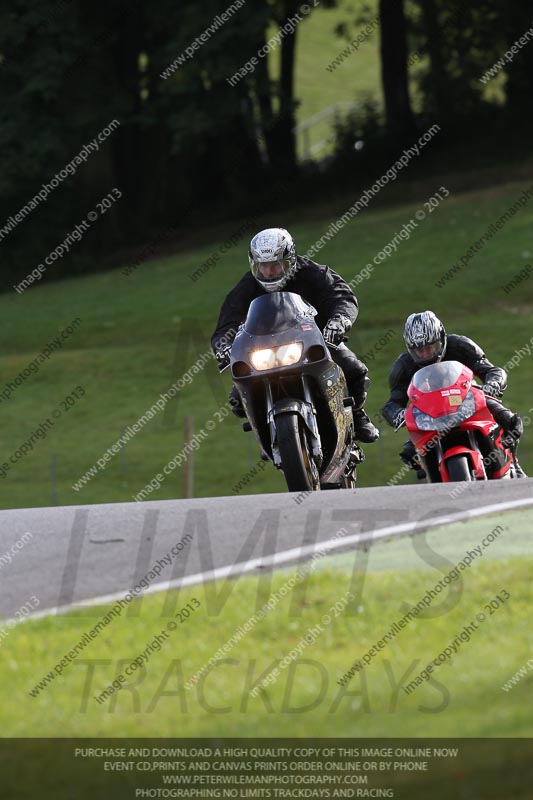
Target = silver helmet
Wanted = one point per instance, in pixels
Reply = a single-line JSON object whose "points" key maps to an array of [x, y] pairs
{"points": [[272, 257], [425, 338]]}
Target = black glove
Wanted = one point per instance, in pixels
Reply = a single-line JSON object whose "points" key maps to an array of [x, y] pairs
{"points": [[335, 329], [235, 402], [513, 431], [399, 419], [492, 389], [409, 455], [222, 355]]}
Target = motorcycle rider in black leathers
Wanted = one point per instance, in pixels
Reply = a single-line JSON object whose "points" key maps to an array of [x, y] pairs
{"points": [[274, 266], [427, 342]]}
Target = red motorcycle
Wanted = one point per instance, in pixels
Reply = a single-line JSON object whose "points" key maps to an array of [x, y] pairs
{"points": [[452, 427]]}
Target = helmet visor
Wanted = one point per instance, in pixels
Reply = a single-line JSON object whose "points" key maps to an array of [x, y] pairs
{"points": [[271, 271], [426, 353]]}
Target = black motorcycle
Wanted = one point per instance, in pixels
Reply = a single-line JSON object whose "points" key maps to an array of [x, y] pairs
{"points": [[294, 395]]}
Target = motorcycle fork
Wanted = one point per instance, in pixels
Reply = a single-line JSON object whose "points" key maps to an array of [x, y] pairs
{"points": [[432, 460], [316, 447], [475, 446], [311, 426], [465, 439], [272, 424]]}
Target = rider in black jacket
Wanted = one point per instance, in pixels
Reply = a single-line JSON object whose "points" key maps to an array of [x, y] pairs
{"points": [[274, 267], [427, 342]]}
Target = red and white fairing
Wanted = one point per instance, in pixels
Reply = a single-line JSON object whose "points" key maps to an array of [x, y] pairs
{"points": [[443, 398]]}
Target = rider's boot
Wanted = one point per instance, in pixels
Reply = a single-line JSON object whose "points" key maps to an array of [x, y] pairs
{"points": [[519, 472], [365, 430], [513, 426]]}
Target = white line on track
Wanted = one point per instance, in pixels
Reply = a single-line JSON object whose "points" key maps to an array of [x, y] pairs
{"points": [[286, 556]]}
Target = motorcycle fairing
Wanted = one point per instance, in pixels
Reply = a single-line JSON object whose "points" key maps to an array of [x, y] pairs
{"points": [[273, 320], [449, 415]]}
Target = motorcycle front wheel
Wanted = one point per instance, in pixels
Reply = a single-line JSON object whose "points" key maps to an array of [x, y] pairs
{"points": [[301, 473], [459, 468]]}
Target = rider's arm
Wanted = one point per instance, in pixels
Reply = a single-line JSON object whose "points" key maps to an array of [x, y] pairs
{"points": [[399, 379], [468, 352], [341, 300], [233, 313], [327, 291]]}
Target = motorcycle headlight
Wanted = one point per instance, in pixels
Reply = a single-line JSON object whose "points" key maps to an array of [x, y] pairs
{"points": [[424, 422], [282, 356], [289, 354], [263, 359]]}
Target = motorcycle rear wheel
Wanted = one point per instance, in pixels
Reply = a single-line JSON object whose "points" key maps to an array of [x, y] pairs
{"points": [[301, 473], [459, 468]]}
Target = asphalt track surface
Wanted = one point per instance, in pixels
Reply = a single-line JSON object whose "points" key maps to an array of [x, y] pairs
{"points": [[80, 555]]}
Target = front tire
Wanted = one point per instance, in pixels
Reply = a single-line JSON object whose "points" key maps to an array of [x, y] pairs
{"points": [[459, 468], [301, 473]]}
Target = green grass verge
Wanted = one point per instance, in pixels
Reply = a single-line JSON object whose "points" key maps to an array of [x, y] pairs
{"points": [[141, 332], [305, 700]]}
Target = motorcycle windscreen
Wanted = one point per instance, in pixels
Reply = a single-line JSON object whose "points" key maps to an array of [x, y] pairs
{"points": [[277, 311], [437, 376]]}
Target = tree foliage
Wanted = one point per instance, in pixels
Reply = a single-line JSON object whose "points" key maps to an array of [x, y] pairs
{"points": [[191, 144]]}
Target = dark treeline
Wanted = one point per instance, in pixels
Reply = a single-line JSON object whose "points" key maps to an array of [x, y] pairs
{"points": [[190, 146]]}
